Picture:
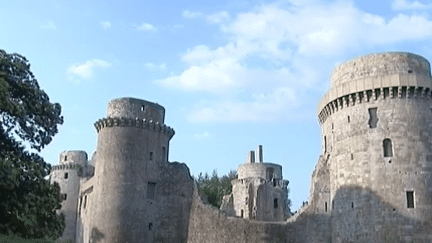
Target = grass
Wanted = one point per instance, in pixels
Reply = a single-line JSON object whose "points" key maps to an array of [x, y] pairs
{"points": [[16, 239]]}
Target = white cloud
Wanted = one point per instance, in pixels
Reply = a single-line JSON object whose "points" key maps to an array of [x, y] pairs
{"points": [[274, 56], [147, 27], [218, 17], [405, 5], [154, 67], [49, 25], [202, 136], [106, 24], [191, 15], [85, 70], [263, 108]]}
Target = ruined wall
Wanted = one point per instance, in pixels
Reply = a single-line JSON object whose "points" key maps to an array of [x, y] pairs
{"points": [[376, 135], [208, 224]]}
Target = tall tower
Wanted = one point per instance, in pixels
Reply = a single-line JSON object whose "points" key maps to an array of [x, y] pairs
{"points": [[67, 174], [260, 192], [132, 150], [377, 139]]}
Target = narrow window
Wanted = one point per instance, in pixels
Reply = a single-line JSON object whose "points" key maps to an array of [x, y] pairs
{"points": [[80, 203], [352, 156], [332, 204], [151, 186], [64, 196], [274, 182], [373, 118], [352, 204], [85, 201], [410, 199], [66, 175], [325, 144], [388, 148], [163, 153], [241, 213], [65, 157], [151, 155], [150, 226], [275, 203], [325, 206], [348, 119], [143, 108]]}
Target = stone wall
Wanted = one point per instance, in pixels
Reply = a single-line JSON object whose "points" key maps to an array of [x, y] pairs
{"points": [[208, 224]]}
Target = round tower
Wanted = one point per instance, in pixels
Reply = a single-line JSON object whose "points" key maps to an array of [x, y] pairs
{"points": [[260, 192], [67, 174], [376, 131], [133, 144]]}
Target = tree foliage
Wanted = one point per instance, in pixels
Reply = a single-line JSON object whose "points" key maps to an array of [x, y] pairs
{"points": [[28, 203], [214, 188]]}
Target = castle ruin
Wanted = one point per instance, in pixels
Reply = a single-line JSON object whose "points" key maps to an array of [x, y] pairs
{"points": [[372, 182]]}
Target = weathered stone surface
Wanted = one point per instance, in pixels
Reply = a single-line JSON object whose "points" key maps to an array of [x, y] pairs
{"points": [[372, 182]]}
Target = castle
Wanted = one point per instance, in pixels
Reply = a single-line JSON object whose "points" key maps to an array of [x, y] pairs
{"points": [[372, 182]]}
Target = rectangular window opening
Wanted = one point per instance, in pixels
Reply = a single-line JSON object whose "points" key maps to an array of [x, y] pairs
{"points": [[85, 201], [332, 204], [410, 199], [275, 203], [151, 186], [325, 206], [373, 118], [151, 155], [66, 175]]}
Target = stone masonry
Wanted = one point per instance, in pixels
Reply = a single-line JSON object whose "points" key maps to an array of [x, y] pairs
{"points": [[372, 182]]}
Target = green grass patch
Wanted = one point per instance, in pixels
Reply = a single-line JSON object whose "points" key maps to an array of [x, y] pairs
{"points": [[16, 239]]}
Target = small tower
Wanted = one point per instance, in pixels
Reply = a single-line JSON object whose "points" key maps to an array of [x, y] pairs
{"points": [[260, 192], [67, 174]]}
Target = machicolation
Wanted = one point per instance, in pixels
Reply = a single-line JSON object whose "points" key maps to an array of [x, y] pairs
{"points": [[372, 182]]}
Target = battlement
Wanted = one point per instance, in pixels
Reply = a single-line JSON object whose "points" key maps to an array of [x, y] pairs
{"points": [[136, 109], [131, 122], [67, 166], [377, 76]]}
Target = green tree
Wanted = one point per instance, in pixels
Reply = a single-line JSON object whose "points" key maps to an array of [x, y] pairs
{"points": [[213, 188], [28, 203]]}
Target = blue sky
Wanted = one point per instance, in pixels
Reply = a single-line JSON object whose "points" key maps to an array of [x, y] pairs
{"points": [[230, 74]]}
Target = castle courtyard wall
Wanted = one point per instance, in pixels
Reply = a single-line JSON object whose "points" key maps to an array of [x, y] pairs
{"points": [[208, 224]]}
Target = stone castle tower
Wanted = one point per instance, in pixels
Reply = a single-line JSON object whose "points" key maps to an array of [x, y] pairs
{"points": [[72, 167], [259, 193], [377, 149], [372, 182]]}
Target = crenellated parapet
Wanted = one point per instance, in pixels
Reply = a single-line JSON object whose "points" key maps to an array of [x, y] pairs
{"points": [[130, 122], [378, 76], [67, 166]]}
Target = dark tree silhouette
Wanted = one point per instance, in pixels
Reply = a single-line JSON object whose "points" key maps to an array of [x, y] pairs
{"points": [[28, 203]]}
